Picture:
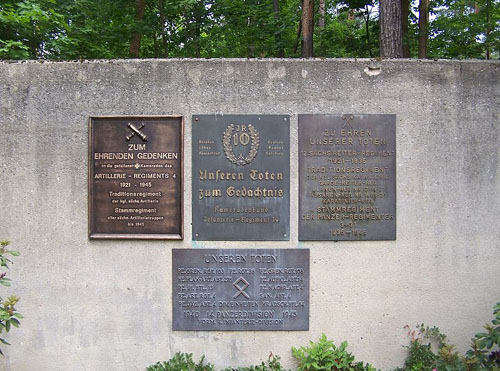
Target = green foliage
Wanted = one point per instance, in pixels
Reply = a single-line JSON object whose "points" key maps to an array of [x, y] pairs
{"points": [[421, 356], [182, 362], [9, 317], [344, 37], [483, 355], [28, 29], [485, 348], [325, 355], [465, 29], [10, 49], [272, 364], [250, 28], [88, 29], [353, 31]]}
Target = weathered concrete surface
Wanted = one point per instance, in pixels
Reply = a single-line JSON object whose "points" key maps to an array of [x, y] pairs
{"points": [[106, 305]]}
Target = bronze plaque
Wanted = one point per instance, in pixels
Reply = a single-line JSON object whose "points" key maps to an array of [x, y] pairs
{"points": [[240, 289], [241, 177], [135, 177], [347, 177]]}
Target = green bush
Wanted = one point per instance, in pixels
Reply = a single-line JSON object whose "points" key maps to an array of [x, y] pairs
{"points": [[8, 314], [182, 362], [483, 355], [428, 349], [324, 355], [421, 356], [485, 348], [272, 364]]}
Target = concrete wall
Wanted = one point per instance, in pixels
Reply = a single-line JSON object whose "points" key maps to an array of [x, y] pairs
{"points": [[106, 305]]}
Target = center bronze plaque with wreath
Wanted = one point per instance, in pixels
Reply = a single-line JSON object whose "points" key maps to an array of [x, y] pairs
{"points": [[241, 177]]}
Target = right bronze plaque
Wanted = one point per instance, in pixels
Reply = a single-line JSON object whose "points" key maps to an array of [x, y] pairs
{"points": [[347, 177]]}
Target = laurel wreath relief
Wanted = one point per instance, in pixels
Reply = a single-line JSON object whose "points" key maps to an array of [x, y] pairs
{"points": [[228, 148]]}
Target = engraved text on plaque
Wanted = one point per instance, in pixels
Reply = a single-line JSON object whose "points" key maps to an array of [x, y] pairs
{"points": [[240, 289], [347, 177], [135, 177], [241, 177]]}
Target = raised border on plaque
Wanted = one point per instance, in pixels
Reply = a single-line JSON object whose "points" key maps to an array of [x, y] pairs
{"points": [[135, 128], [241, 177], [240, 289], [347, 177]]}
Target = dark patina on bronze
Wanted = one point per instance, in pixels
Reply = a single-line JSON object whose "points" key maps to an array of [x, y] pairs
{"points": [[240, 289], [136, 177], [241, 177], [347, 177]]}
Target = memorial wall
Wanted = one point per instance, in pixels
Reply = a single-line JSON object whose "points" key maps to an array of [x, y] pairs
{"points": [[235, 208]]}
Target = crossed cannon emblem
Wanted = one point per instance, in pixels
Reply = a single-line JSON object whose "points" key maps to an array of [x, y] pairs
{"points": [[136, 131]]}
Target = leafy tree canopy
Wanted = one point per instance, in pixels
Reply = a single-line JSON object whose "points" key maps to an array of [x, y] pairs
{"points": [[89, 29]]}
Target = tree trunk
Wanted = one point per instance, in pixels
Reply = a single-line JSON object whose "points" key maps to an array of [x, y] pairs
{"points": [[155, 46], [277, 38], [135, 45], [351, 14], [299, 29], [196, 38], [307, 28], [391, 45], [321, 11], [423, 25], [404, 27]]}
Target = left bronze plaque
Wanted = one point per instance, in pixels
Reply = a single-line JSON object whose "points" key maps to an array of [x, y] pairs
{"points": [[135, 177]]}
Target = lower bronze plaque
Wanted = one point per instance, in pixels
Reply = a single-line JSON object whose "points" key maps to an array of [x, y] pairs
{"points": [[347, 177], [240, 289], [241, 177], [135, 177]]}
